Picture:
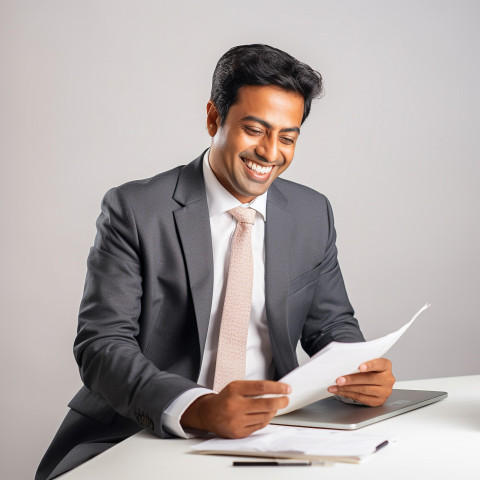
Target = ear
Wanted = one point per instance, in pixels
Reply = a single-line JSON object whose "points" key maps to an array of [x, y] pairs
{"points": [[213, 119]]}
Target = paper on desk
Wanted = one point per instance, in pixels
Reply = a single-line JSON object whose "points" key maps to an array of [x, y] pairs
{"points": [[310, 381], [296, 442]]}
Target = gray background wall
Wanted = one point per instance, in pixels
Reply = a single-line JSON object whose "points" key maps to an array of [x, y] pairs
{"points": [[96, 93]]}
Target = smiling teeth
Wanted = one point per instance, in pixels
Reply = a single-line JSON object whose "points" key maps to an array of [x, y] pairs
{"points": [[257, 168]]}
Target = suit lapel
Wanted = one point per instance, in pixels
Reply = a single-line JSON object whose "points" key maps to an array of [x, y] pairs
{"points": [[278, 237], [193, 224]]}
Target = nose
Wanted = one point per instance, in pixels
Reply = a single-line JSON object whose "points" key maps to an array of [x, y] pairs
{"points": [[267, 149]]}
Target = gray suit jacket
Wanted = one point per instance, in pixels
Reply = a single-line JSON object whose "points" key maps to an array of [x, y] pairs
{"points": [[146, 305]]}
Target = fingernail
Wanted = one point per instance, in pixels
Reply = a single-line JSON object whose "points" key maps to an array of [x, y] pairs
{"points": [[341, 381], [289, 389], [332, 389], [362, 367]]}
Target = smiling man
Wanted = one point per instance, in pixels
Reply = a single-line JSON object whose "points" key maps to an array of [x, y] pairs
{"points": [[203, 279], [256, 142]]}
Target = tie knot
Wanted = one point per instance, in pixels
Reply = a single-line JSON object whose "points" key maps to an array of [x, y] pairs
{"points": [[243, 215]]}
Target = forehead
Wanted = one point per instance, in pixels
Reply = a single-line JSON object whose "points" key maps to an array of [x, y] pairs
{"points": [[273, 104]]}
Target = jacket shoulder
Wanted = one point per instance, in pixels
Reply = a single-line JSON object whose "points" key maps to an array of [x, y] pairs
{"points": [[165, 181]]}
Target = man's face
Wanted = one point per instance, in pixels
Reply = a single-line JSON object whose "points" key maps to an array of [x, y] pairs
{"points": [[257, 141]]}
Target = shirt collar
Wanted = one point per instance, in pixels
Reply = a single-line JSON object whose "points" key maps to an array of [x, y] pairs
{"points": [[220, 200]]}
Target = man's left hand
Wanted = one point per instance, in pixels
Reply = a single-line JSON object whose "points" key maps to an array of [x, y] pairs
{"points": [[372, 386]]}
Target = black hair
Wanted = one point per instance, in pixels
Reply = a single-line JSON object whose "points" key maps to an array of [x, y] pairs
{"points": [[259, 64]]}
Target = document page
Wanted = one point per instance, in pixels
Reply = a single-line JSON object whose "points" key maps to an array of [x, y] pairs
{"points": [[297, 442], [310, 381]]}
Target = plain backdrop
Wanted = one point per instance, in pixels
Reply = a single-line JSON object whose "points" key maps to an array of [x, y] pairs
{"points": [[96, 93]]}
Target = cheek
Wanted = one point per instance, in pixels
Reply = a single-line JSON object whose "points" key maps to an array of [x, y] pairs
{"points": [[288, 156], [230, 145], [220, 140]]}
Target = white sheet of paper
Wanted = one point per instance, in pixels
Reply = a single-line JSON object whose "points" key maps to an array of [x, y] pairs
{"points": [[310, 381], [297, 442]]}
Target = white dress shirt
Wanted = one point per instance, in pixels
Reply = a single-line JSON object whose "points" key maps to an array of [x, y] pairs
{"points": [[259, 360]]}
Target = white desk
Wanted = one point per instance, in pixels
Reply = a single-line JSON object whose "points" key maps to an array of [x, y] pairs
{"points": [[439, 441]]}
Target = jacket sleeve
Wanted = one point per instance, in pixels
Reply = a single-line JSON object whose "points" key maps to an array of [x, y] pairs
{"points": [[331, 316], [110, 360]]}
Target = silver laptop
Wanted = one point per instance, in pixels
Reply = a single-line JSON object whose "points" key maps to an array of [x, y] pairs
{"points": [[333, 413]]}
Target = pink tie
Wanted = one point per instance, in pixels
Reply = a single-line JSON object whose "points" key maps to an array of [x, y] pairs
{"points": [[232, 340]]}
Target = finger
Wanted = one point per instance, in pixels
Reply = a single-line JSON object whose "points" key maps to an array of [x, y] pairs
{"points": [[258, 419], [378, 371], [247, 424], [249, 430], [373, 378], [369, 390], [264, 405], [259, 387], [369, 400], [242, 431], [376, 365]]}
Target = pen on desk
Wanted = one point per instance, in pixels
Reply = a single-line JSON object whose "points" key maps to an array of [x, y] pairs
{"points": [[273, 464], [383, 444]]}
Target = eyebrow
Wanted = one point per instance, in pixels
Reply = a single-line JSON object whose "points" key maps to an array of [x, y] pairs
{"points": [[268, 125]]}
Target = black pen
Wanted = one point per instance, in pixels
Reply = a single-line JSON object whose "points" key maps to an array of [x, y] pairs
{"points": [[383, 444], [273, 464]]}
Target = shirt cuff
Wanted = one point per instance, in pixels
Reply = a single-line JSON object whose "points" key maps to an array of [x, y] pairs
{"points": [[173, 414]]}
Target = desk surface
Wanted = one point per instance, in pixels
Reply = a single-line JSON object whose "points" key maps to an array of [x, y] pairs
{"points": [[438, 441]]}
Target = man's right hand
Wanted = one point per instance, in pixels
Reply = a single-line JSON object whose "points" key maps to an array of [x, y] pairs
{"points": [[235, 412]]}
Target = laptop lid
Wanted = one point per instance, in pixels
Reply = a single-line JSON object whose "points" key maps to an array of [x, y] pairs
{"points": [[333, 413]]}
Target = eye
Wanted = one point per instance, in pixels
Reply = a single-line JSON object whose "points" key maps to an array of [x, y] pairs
{"points": [[252, 130], [287, 140]]}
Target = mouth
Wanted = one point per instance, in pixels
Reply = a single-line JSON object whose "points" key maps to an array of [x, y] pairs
{"points": [[256, 168]]}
